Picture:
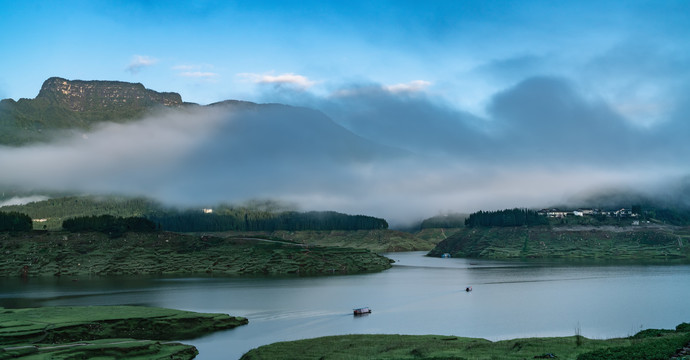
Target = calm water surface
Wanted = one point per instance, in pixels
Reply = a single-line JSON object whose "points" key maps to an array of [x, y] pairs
{"points": [[419, 295]]}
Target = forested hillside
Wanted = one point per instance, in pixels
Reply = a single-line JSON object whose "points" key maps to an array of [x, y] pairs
{"points": [[544, 242], [453, 220], [243, 220], [50, 215], [506, 218]]}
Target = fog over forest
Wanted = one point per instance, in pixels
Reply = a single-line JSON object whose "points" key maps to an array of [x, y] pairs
{"points": [[369, 150], [401, 111]]}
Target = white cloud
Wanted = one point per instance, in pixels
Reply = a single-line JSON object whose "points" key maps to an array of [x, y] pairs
{"points": [[186, 67], [412, 86], [288, 79], [199, 71], [17, 200], [139, 62], [198, 74], [356, 90]]}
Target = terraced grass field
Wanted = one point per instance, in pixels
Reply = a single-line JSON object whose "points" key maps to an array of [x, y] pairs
{"points": [[544, 242], [374, 240], [84, 332], [73, 254], [646, 345]]}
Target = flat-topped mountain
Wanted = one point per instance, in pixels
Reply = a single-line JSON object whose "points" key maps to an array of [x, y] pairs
{"points": [[75, 104], [283, 132], [78, 95]]}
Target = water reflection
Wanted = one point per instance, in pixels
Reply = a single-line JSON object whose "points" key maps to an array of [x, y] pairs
{"points": [[419, 295]]}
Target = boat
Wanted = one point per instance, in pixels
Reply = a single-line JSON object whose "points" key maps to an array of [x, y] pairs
{"points": [[468, 289], [361, 311]]}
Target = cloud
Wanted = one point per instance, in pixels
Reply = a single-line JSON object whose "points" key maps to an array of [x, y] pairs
{"points": [[227, 152], [366, 150], [543, 139], [289, 79], [404, 119], [546, 117], [198, 74], [413, 86], [21, 200], [196, 71], [139, 62], [186, 67], [642, 79]]}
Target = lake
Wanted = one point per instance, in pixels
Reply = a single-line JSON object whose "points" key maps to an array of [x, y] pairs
{"points": [[419, 295]]}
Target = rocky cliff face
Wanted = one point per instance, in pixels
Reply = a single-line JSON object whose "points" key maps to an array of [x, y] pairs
{"points": [[78, 95], [77, 105]]}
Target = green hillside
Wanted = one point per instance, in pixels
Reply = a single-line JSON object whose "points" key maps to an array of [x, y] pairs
{"points": [[382, 240], [254, 216], [52, 253], [576, 242], [63, 105], [648, 344], [49, 214], [105, 332]]}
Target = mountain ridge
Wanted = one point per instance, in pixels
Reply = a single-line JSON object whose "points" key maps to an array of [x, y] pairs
{"points": [[63, 104], [81, 95]]}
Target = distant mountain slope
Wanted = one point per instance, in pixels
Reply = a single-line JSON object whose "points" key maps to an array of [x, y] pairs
{"points": [[282, 131], [103, 137], [50, 214], [645, 243], [275, 129], [64, 104]]}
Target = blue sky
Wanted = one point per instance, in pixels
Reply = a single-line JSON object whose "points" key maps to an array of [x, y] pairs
{"points": [[586, 94], [461, 52]]}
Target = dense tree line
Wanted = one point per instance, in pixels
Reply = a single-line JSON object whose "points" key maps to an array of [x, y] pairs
{"points": [[14, 221], [108, 224], [506, 218], [77, 206], [192, 221]]}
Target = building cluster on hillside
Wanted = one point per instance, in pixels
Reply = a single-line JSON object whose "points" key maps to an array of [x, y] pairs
{"points": [[557, 213]]}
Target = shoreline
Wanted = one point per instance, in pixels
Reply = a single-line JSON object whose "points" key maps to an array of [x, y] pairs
{"points": [[646, 344], [136, 332]]}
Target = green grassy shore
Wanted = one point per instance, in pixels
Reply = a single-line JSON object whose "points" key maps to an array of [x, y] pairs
{"points": [[105, 332], [646, 345], [576, 242], [31, 254]]}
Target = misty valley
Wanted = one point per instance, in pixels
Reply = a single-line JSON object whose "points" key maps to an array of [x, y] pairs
{"points": [[136, 225]]}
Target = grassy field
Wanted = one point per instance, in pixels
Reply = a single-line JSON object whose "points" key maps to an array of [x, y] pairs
{"points": [[596, 243], [374, 240], [77, 254], [355, 347], [106, 332]]}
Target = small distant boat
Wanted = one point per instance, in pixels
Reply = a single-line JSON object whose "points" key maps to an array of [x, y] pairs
{"points": [[445, 256], [361, 311], [468, 289]]}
